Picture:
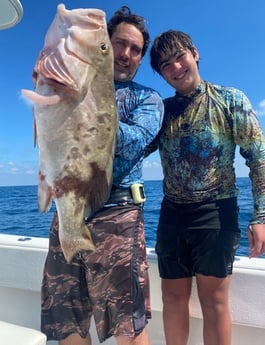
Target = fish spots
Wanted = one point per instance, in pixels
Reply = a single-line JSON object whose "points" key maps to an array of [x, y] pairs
{"points": [[93, 130], [101, 147], [58, 192], [103, 118], [77, 133], [45, 194], [99, 189], [67, 184], [74, 154], [86, 150], [94, 193], [41, 176]]}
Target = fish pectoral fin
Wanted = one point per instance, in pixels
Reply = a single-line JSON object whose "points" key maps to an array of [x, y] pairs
{"points": [[35, 132], [87, 235], [39, 99], [44, 195]]}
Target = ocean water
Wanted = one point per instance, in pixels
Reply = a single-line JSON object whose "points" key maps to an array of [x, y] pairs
{"points": [[20, 216]]}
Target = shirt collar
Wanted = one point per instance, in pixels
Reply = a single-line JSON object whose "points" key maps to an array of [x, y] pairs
{"points": [[199, 90], [121, 85]]}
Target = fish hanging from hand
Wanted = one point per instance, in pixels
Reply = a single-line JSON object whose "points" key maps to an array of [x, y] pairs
{"points": [[75, 120]]}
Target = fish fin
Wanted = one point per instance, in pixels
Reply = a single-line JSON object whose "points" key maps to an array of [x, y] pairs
{"points": [[35, 132], [73, 247], [39, 99], [44, 194]]}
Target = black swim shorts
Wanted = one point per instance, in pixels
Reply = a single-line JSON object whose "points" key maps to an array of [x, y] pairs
{"points": [[197, 238], [111, 283]]}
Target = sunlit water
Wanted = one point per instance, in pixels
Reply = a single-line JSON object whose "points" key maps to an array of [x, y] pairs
{"points": [[20, 216]]}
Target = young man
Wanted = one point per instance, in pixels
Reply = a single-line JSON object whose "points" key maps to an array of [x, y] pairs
{"points": [[198, 231], [110, 284]]}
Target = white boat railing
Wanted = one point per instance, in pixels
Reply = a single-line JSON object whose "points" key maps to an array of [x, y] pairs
{"points": [[21, 265]]}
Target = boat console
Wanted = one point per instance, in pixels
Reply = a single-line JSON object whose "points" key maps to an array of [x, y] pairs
{"points": [[11, 12]]}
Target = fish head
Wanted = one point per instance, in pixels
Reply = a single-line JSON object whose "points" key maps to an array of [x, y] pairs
{"points": [[77, 46], [80, 30]]}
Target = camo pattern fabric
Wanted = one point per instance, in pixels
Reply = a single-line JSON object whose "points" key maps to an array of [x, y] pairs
{"points": [[111, 283]]}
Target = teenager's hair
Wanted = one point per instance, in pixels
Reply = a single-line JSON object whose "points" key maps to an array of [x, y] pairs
{"points": [[124, 15], [167, 43]]}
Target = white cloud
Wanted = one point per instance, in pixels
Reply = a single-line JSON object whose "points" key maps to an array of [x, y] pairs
{"points": [[261, 108], [152, 170], [30, 172], [151, 164], [14, 170]]}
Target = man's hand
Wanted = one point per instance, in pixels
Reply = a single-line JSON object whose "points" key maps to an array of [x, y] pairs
{"points": [[256, 238]]}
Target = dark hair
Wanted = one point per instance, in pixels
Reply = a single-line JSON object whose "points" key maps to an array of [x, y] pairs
{"points": [[124, 14], [167, 43]]}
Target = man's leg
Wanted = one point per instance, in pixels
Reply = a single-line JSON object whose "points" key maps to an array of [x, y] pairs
{"points": [[213, 294], [117, 276], [141, 339], [176, 296], [65, 307], [75, 339]]}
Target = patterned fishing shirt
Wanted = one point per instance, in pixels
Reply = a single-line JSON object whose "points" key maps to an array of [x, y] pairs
{"points": [[140, 112], [198, 142]]}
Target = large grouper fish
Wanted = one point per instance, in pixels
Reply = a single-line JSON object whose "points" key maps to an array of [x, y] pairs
{"points": [[75, 121]]}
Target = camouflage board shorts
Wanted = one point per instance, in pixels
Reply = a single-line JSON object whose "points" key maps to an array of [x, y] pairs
{"points": [[111, 283]]}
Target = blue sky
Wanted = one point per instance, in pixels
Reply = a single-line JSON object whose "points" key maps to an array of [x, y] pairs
{"points": [[229, 36]]}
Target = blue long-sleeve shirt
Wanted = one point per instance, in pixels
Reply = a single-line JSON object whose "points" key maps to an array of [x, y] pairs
{"points": [[197, 146], [140, 111]]}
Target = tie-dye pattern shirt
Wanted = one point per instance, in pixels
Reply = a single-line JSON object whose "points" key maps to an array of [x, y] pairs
{"points": [[140, 112], [198, 141]]}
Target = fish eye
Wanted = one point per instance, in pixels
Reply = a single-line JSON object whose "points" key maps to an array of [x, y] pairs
{"points": [[104, 47]]}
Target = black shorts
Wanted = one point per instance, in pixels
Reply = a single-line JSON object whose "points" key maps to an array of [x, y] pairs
{"points": [[197, 238]]}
